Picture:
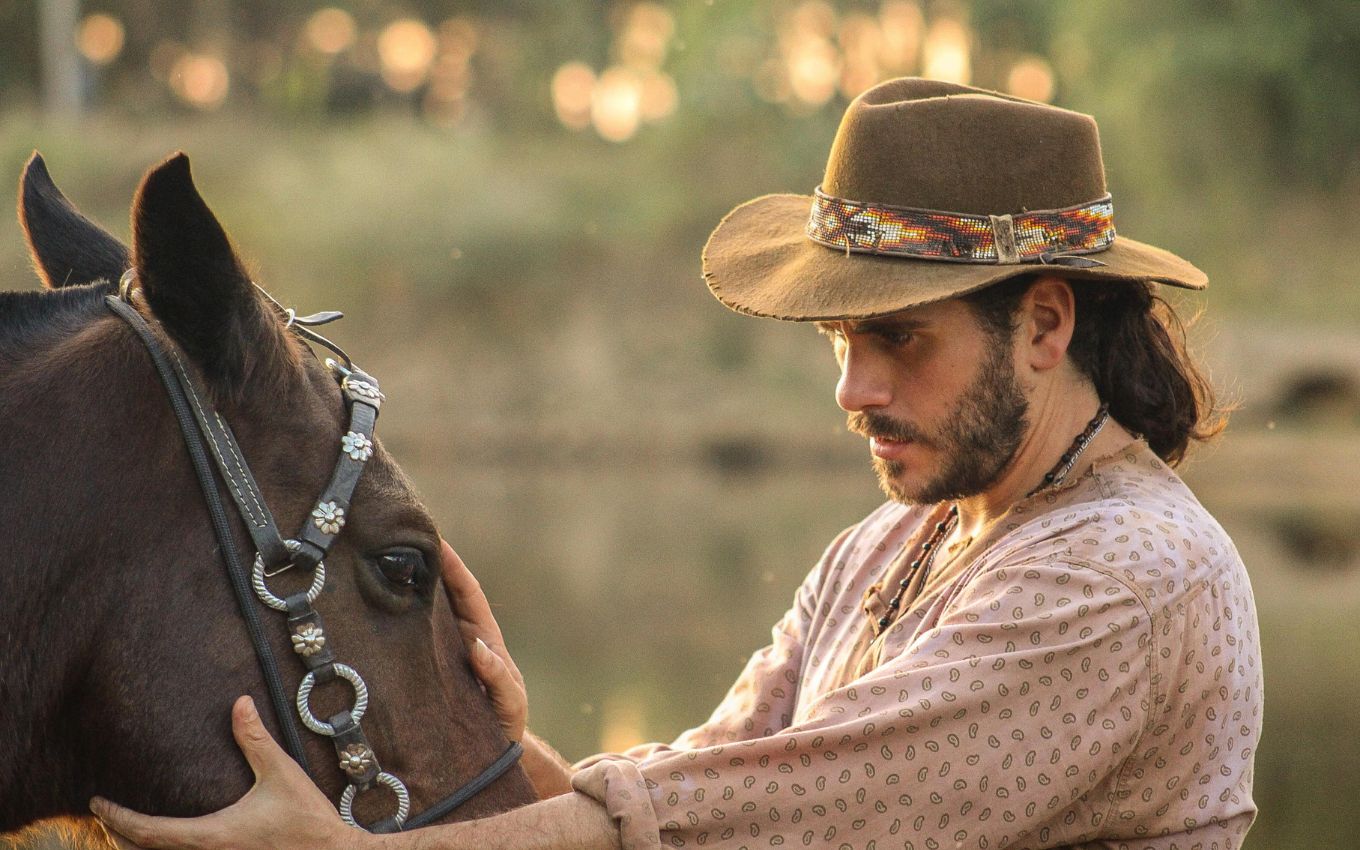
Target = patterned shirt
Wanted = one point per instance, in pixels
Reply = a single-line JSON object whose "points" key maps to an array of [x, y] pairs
{"points": [[1085, 674]]}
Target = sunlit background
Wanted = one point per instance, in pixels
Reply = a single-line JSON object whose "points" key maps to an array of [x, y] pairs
{"points": [[508, 199]]}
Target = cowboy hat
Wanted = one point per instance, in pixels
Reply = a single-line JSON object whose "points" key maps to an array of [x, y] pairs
{"points": [[932, 190]]}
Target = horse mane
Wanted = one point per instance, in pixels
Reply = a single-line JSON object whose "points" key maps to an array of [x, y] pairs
{"points": [[30, 318]]}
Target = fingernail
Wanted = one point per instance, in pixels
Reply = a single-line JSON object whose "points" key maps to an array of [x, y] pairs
{"points": [[98, 807], [481, 648], [251, 713]]}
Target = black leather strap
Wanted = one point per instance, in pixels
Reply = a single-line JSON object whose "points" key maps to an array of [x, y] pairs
{"points": [[316, 538], [236, 571], [468, 791], [207, 435], [232, 466]]}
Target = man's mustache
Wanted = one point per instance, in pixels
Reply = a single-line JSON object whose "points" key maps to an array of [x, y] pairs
{"points": [[869, 424]]}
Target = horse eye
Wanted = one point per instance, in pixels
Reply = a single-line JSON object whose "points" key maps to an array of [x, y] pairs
{"points": [[402, 567]]}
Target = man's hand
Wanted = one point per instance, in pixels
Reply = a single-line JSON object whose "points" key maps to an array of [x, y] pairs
{"points": [[283, 811], [491, 661]]}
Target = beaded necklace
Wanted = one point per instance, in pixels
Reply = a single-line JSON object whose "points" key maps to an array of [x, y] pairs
{"points": [[931, 547]]}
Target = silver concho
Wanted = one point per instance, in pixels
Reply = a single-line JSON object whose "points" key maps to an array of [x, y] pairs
{"points": [[320, 727], [329, 517], [363, 389], [357, 446], [308, 640], [355, 759], [268, 597], [398, 788]]}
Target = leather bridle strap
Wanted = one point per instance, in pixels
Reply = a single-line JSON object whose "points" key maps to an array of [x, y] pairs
{"points": [[474, 787], [236, 571], [206, 434]]}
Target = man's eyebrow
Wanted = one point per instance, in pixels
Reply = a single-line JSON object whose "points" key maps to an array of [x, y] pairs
{"points": [[887, 324]]}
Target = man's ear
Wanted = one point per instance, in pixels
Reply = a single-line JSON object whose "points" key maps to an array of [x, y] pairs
{"points": [[67, 248], [196, 285], [1049, 312]]}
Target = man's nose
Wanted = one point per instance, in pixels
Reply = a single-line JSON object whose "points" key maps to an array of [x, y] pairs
{"points": [[865, 382]]}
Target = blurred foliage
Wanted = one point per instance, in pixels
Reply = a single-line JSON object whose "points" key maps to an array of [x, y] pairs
{"points": [[1231, 127], [1266, 90]]}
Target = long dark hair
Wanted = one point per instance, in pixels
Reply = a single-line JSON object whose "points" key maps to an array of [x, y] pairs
{"points": [[1130, 344]]}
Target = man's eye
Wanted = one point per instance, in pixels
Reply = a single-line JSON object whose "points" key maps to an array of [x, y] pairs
{"points": [[403, 567], [896, 338]]}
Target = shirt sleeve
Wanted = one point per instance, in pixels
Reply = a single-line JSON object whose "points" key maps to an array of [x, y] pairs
{"points": [[1030, 691], [760, 703]]}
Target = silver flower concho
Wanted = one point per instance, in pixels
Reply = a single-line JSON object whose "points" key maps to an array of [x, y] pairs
{"points": [[308, 640], [355, 759], [364, 390], [329, 517], [357, 446]]}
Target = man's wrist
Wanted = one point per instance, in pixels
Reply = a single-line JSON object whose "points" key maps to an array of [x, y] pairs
{"points": [[549, 773]]}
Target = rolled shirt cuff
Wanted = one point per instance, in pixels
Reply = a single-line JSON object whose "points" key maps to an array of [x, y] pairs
{"points": [[618, 785]]}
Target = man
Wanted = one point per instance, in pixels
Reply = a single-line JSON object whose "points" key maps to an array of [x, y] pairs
{"points": [[1041, 640]]}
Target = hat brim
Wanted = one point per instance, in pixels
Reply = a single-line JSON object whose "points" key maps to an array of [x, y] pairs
{"points": [[759, 261]]}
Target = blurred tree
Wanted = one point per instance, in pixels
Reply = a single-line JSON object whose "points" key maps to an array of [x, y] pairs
{"points": [[60, 62], [1248, 87]]}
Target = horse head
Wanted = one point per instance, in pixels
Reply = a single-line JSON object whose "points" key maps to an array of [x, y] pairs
{"points": [[122, 645]]}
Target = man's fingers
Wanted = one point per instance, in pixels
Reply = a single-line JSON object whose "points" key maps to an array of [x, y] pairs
{"points": [[264, 755], [506, 692], [465, 593], [148, 832]]}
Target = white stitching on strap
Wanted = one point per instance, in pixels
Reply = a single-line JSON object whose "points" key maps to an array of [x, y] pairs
{"points": [[259, 521]]}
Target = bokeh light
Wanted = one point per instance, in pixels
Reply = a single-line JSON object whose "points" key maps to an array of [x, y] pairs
{"points": [[658, 97], [1031, 77], [406, 48], [458, 37], [616, 104], [200, 80], [902, 24], [644, 38], [100, 38], [330, 31], [811, 63], [572, 88], [861, 40], [948, 52]]}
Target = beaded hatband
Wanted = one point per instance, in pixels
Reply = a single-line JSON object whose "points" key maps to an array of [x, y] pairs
{"points": [[1039, 236]]}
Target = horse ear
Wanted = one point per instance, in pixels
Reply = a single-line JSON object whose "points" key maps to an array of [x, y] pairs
{"points": [[194, 282], [67, 248]]}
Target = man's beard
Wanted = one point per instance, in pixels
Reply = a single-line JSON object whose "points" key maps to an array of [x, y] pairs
{"points": [[976, 441]]}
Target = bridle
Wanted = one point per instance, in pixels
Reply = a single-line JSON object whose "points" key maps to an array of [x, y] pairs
{"points": [[207, 435]]}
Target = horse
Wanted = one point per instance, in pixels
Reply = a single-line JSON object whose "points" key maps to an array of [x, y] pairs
{"points": [[121, 644]]}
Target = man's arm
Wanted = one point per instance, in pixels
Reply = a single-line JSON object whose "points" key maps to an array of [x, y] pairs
{"points": [[547, 770], [285, 811], [565, 822]]}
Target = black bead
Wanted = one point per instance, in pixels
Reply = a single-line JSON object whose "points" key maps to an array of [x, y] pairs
{"points": [[903, 583], [916, 565], [953, 510], [883, 622], [939, 526], [1048, 477], [896, 603], [925, 547]]}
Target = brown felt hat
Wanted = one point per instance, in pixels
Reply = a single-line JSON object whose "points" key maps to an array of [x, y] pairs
{"points": [[911, 153]]}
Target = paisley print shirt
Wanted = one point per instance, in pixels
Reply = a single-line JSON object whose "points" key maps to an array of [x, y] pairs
{"points": [[1087, 674]]}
